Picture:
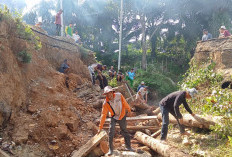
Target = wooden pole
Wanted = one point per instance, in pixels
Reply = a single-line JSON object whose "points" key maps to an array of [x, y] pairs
{"points": [[136, 127], [189, 120], [156, 134], [90, 145], [163, 149]]}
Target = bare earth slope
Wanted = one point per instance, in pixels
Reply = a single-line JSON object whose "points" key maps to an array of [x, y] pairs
{"points": [[37, 102]]}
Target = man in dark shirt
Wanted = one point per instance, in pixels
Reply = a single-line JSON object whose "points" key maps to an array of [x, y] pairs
{"points": [[64, 68], [95, 67], [170, 104]]}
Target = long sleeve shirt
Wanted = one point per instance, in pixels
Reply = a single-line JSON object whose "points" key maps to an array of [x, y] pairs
{"points": [[174, 100], [58, 18]]}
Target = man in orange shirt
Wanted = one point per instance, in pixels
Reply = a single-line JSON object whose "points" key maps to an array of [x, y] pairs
{"points": [[116, 105]]}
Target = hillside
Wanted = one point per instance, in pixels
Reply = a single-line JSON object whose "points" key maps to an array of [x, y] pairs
{"points": [[38, 104]]}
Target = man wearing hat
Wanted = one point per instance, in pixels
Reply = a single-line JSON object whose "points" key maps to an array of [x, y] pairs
{"points": [[141, 85], [224, 31], [116, 105], [170, 104], [206, 35]]}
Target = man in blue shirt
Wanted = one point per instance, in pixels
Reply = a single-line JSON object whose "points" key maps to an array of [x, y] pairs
{"points": [[131, 76], [64, 68], [206, 35], [141, 85]]}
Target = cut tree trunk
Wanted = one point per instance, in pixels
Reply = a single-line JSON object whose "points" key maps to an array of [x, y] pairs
{"points": [[189, 120], [90, 145], [138, 118], [156, 145], [3, 154], [156, 134], [152, 128], [156, 111], [100, 150]]}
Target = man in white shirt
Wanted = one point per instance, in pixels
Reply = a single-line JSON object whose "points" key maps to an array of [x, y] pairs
{"points": [[76, 37], [142, 94]]}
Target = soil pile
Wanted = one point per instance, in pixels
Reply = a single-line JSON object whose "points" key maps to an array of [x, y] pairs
{"points": [[41, 109]]}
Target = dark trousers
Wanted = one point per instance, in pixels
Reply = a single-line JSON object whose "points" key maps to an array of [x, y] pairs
{"points": [[124, 132], [165, 121], [58, 29], [103, 81]]}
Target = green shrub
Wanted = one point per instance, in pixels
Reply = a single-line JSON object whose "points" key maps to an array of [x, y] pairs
{"points": [[155, 81], [24, 56], [113, 82]]}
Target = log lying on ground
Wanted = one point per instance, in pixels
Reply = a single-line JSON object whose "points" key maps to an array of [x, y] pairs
{"points": [[3, 154], [90, 145], [156, 145], [156, 134], [156, 111], [138, 118], [100, 150], [196, 121], [152, 128]]}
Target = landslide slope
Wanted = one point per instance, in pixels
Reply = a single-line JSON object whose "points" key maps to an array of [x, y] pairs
{"points": [[37, 103]]}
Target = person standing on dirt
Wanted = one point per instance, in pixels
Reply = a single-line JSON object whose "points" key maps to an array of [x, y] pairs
{"points": [[141, 85], [69, 31], [95, 68], [120, 76], [64, 68], [116, 105], [170, 104], [131, 76], [141, 95], [112, 72], [102, 80], [58, 22]]}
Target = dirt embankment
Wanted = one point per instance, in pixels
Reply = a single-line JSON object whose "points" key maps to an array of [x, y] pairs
{"points": [[38, 104], [217, 50]]}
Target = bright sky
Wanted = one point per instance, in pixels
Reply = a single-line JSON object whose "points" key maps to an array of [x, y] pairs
{"points": [[32, 3]]}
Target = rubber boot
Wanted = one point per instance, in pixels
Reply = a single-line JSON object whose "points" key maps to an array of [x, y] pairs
{"points": [[110, 149], [128, 144]]}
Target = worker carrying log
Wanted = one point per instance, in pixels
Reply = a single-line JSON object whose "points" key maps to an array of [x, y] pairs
{"points": [[170, 104], [116, 105]]}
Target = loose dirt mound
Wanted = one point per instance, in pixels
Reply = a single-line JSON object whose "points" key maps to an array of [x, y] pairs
{"points": [[38, 103]]}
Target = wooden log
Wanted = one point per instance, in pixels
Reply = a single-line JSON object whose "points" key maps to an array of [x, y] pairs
{"points": [[156, 134], [3, 154], [163, 149], [189, 120], [138, 118], [90, 145], [152, 128], [156, 111], [100, 150]]}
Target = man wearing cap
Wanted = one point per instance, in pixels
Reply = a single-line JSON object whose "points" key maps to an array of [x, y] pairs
{"points": [[206, 35], [141, 85], [116, 105], [142, 94], [224, 31], [170, 104]]}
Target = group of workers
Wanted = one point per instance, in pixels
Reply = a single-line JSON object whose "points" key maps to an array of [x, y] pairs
{"points": [[223, 33], [119, 109]]}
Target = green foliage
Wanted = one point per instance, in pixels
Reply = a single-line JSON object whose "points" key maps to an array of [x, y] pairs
{"points": [[196, 76], [24, 56], [155, 81], [224, 129], [113, 82], [212, 99]]}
